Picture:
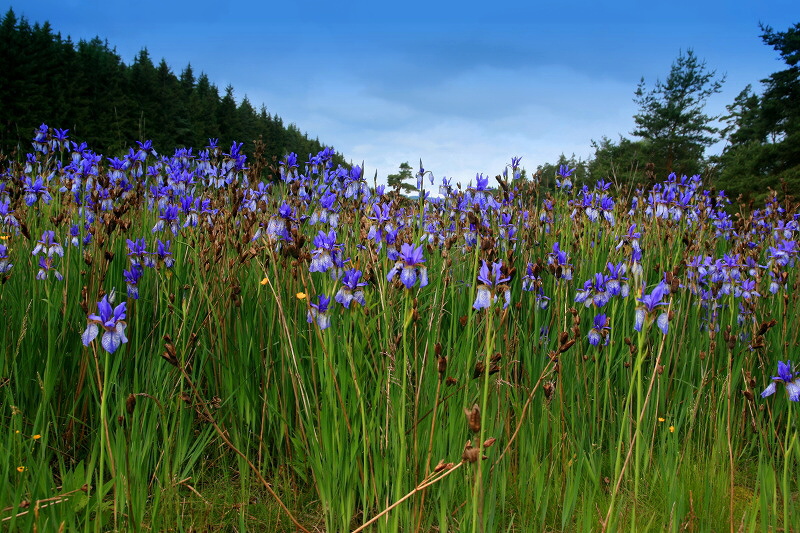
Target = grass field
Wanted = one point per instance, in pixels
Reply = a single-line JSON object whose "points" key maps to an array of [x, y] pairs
{"points": [[186, 348]]}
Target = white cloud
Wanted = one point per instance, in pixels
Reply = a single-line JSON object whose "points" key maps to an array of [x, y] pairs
{"points": [[473, 122]]}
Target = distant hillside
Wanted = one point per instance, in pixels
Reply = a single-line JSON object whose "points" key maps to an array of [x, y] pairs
{"points": [[86, 88]]}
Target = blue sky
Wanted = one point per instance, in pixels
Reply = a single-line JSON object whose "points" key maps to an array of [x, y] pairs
{"points": [[463, 86]]}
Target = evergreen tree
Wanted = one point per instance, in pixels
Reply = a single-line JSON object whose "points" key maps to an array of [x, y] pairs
{"points": [[623, 162], [764, 131], [671, 117], [86, 88], [398, 181]]}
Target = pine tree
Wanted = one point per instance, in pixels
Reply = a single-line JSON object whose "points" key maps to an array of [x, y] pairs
{"points": [[764, 131], [671, 117]]}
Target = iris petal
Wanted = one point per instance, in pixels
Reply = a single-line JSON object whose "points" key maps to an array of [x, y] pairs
{"points": [[89, 334]]}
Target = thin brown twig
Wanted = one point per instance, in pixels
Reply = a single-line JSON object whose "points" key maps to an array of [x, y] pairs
{"points": [[61, 498], [423, 485]]}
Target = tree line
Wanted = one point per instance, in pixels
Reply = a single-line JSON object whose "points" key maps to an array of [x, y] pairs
{"points": [[761, 132], [87, 88]]}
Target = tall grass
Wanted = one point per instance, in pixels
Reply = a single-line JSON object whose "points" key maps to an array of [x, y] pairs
{"points": [[576, 359]]}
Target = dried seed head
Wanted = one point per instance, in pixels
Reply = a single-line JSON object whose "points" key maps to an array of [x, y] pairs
{"points": [[488, 442], [130, 403], [763, 328], [566, 346], [442, 466], [442, 366], [471, 453], [474, 418]]}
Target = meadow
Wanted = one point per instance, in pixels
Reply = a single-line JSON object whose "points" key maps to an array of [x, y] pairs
{"points": [[186, 347]]}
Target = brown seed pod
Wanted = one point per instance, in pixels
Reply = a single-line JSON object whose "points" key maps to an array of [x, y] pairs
{"points": [[442, 466], [442, 367], [130, 403], [474, 418], [549, 387], [566, 346], [471, 453]]}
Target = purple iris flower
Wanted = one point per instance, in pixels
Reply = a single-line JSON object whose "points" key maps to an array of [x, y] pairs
{"points": [[163, 253], [616, 282], [167, 217], [59, 140], [533, 282], [132, 278], [784, 253], [47, 245], [649, 306], [490, 285], [791, 381], [5, 264], [557, 259], [351, 291], [318, 312], [7, 214], [36, 189], [288, 167], [46, 265], [138, 254], [278, 226], [564, 180], [112, 320], [74, 234], [326, 247], [600, 330], [409, 266], [40, 143]]}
